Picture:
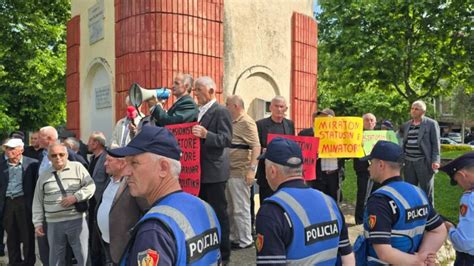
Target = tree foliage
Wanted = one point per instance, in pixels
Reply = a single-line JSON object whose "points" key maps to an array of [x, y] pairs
{"points": [[32, 63], [405, 47]]}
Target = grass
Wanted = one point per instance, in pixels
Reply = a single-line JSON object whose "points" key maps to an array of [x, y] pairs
{"points": [[446, 196]]}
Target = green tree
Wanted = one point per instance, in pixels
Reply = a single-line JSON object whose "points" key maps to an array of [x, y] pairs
{"points": [[32, 63], [405, 47]]}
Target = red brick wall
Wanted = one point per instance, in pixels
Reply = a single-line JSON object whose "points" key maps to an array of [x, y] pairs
{"points": [[73, 41], [303, 69], [155, 39]]}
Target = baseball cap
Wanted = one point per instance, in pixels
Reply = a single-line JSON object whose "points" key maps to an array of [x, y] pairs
{"points": [[457, 164], [284, 152], [385, 151], [157, 140], [326, 111], [13, 143], [387, 124]]}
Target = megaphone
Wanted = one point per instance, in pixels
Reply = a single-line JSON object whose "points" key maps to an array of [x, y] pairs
{"points": [[138, 94]]}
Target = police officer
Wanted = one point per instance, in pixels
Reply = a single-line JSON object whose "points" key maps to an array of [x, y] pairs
{"points": [[400, 225], [179, 229], [461, 171], [297, 225]]}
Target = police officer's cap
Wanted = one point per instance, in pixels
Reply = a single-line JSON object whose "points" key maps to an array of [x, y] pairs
{"points": [[385, 151], [284, 152], [157, 140], [457, 164]]}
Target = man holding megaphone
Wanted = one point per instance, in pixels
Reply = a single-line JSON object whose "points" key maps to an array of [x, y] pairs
{"points": [[184, 110]]}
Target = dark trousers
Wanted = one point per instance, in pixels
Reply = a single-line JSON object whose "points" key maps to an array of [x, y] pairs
{"points": [[214, 194], [252, 206], [19, 227], [417, 173], [363, 194], [97, 256], [2, 231], [328, 183], [264, 192], [463, 259]]}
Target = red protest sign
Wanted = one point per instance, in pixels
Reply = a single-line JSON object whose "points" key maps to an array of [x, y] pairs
{"points": [[190, 177], [309, 148]]}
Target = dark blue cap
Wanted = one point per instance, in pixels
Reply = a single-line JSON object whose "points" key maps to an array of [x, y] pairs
{"points": [[387, 124], [457, 164], [157, 140], [385, 151], [284, 152]]}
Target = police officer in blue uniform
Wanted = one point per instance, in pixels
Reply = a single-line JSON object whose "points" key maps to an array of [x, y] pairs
{"points": [[297, 225], [400, 226], [179, 229], [461, 172]]}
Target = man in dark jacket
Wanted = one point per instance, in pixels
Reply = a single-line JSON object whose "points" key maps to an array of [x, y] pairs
{"points": [[275, 124], [18, 175], [215, 132], [183, 110]]}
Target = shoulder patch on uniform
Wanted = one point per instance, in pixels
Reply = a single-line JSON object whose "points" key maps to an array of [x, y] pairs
{"points": [[259, 242], [148, 257], [463, 209], [372, 221]]}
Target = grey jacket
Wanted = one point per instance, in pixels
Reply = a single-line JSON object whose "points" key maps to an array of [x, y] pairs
{"points": [[428, 138]]}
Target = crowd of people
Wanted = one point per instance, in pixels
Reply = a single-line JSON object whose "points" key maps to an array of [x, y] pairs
{"points": [[89, 204]]}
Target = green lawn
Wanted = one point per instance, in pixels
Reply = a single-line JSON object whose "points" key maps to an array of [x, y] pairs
{"points": [[446, 196]]}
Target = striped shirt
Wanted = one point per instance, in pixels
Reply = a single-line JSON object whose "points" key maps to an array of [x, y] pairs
{"points": [[412, 147]]}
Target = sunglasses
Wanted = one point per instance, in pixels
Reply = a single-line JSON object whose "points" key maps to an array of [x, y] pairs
{"points": [[57, 155]]}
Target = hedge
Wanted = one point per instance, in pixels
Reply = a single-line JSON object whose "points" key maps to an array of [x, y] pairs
{"points": [[451, 147]]}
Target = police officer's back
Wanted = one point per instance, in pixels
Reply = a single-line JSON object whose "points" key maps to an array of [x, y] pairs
{"points": [[179, 229], [400, 226], [461, 171], [297, 225]]}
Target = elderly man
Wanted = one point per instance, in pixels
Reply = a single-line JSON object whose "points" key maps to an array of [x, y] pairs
{"points": [[275, 124], [215, 132], [179, 229], [118, 211], [400, 225], [18, 175], [362, 172], [461, 172], [48, 136], [289, 230], [243, 165], [57, 191], [421, 146], [122, 133]]}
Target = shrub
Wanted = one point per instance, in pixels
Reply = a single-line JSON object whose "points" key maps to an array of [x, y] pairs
{"points": [[450, 147]]}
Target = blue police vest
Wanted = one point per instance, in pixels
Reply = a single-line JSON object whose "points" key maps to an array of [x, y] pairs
{"points": [[407, 232], [316, 223], [194, 226]]}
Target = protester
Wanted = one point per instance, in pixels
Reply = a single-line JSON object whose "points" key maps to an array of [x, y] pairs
{"points": [[83, 152], [421, 146], [275, 124], [122, 133], [34, 150], [96, 145], [57, 191], [288, 227], [18, 175], [386, 125], [117, 211], [243, 166], [400, 225], [183, 110], [461, 172], [171, 231], [215, 132], [361, 169]]}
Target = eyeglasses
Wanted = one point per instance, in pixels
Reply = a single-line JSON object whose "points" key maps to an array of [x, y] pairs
{"points": [[57, 155]]}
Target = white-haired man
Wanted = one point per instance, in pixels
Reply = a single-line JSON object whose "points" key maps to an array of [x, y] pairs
{"points": [[215, 132], [421, 147]]}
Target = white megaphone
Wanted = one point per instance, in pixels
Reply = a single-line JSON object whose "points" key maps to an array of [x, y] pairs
{"points": [[138, 94]]}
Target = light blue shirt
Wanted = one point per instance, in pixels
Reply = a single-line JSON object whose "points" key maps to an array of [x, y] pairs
{"points": [[15, 181], [45, 163], [462, 236], [105, 206]]}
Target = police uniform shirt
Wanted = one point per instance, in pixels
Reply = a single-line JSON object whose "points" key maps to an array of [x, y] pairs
{"points": [[153, 239], [462, 236], [274, 233], [385, 215]]}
